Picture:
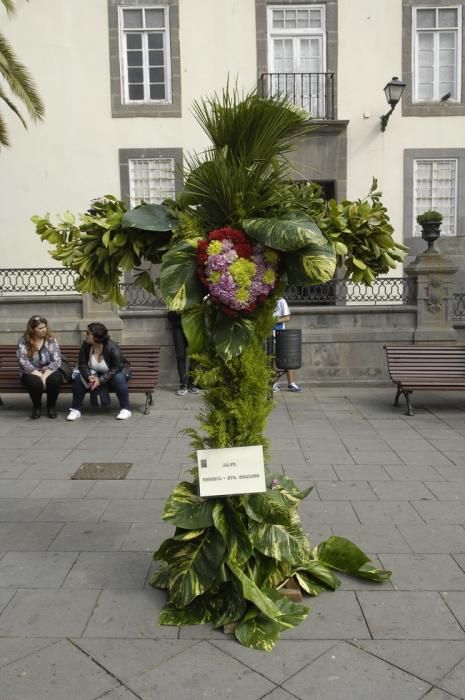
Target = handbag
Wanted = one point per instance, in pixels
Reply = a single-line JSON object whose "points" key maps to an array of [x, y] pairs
{"points": [[66, 370]]}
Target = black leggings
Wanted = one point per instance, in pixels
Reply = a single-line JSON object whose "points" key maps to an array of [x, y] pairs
{"points": [[35, 387]]}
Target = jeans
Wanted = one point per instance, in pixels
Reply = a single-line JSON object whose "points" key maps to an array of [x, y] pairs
{"points": [[35, 387], [180, 349], [118, 383]]}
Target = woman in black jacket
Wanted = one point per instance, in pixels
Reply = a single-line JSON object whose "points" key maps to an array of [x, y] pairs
{"points": [[101, 366]]}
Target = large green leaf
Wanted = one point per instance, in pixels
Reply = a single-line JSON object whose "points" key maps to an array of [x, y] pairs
{"points": [[286, 543], [315, 264], [161, 578], [193, 565], [231, 336], [196, 613], [228, 605], [179, 283], [251, 592], [149, 217], [319, 571], [186, 509], [273, 506], [291, 614], [284, 482], [309, 584], [228, 521], [294, 231], [257, 631], [193, 323], [343, 555]]}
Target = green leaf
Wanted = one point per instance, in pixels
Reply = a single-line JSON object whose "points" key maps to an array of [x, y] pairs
{"points": [[291, 614], [284, 482], [228, 605], [186, 509], [251, 592], [343, 555], [196, 613], [161, 578], [294, 231], [231, 336], [286, 543], [319, 571], [271, 507], [193, 323], [193, 565], [314, 264], [179, 283], [228, 521], [309, 584], [258, 632], [149, 217]]}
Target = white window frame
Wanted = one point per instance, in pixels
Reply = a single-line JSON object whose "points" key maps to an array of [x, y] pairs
{"points": [[134, 199], [294, 33], [123, 56], [434, 203], [459, 57]]}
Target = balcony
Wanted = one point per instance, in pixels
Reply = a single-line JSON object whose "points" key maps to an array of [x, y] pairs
{"points": [[313, 92]]}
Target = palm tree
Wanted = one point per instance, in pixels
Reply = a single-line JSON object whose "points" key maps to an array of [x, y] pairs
{"points": [[15, 79]]}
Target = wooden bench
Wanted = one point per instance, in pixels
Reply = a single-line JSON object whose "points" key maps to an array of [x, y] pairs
{"points": [[144, 361], [425, 367]]}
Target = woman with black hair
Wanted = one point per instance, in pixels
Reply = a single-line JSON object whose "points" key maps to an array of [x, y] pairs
{"points": [[39, 359], [101, 366]]}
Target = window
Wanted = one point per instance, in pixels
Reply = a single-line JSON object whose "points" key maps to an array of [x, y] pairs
{"points": [[296, 55], [150, 175], [145, 53], [145, 63], [436, 53], [151, 180], [435, 187]]}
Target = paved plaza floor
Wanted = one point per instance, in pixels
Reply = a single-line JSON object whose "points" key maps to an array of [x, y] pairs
{"points": [[79, 622]]}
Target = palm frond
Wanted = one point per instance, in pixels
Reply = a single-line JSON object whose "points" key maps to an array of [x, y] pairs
{"points": [[12, 106], [3, 133], [19, 80], [9, 6]]}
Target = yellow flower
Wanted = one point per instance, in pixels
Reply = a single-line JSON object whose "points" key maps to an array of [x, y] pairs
{"points": [[214, 248], [242, 295], [269, 277], [243, 272], [214, 277], [270, 256]]}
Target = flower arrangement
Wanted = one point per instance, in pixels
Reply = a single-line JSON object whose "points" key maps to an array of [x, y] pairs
{"points": [[238, 274]]}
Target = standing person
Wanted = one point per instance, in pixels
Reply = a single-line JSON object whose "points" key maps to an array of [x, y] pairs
{"points": [[180, 349], [282, 314], [39, 359], [101, 366]]}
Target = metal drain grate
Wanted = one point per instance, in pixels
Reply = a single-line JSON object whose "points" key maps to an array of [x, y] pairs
{"points": [[102, 470]]}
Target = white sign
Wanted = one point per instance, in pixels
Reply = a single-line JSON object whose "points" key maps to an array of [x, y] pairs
{"points": [[231, 471]]}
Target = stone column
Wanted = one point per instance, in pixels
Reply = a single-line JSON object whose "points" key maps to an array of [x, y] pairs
{"points": [[434, 274], [104, 312]]}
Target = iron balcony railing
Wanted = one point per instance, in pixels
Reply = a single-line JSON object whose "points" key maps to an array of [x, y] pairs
{"points": [[58, 280], [459, 306], [388, 290], [36, 280], [313, 92]]}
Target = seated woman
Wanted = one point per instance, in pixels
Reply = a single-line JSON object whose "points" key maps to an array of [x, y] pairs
{"points": [[101, 366], [39, 358]]}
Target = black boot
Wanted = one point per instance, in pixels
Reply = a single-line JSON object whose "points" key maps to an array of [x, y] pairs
{"points": [[36, 412], [51, 412]]}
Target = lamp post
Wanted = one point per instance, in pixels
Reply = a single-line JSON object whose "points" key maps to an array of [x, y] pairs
{"points": [[393, 91]]}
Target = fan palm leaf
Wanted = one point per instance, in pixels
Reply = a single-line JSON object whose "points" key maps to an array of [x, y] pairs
{"points": [[15, 76]]}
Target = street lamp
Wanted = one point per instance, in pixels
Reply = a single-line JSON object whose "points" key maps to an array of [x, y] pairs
{"points": [[393, 91]]}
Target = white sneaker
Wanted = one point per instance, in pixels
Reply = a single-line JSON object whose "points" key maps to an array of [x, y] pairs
{"points": [[276, 387], [124, 414], [73, 414], [182, 391]]}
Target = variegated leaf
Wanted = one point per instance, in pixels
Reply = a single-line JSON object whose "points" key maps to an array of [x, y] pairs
{"points": [[193, 324], [258, 632], [291, 614], [228, 605], [251, 592], [294, 231], [160, 578], [343, 555], [273, 506], [322, 573], [197, 613], [228, 521], [288, 485], [186, 509], [231, 336], [315, 264], [286, 543], [309, 584], [194, 566], [179, 283]]}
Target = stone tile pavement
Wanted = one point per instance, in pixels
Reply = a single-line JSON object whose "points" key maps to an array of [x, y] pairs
{"points": [[78, 620]]}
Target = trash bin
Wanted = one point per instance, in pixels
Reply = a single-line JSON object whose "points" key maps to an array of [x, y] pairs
{"points": [[289, 348]]}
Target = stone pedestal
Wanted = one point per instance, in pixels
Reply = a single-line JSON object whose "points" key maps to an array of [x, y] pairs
{"points": [[434, 275], [101, 311]]}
